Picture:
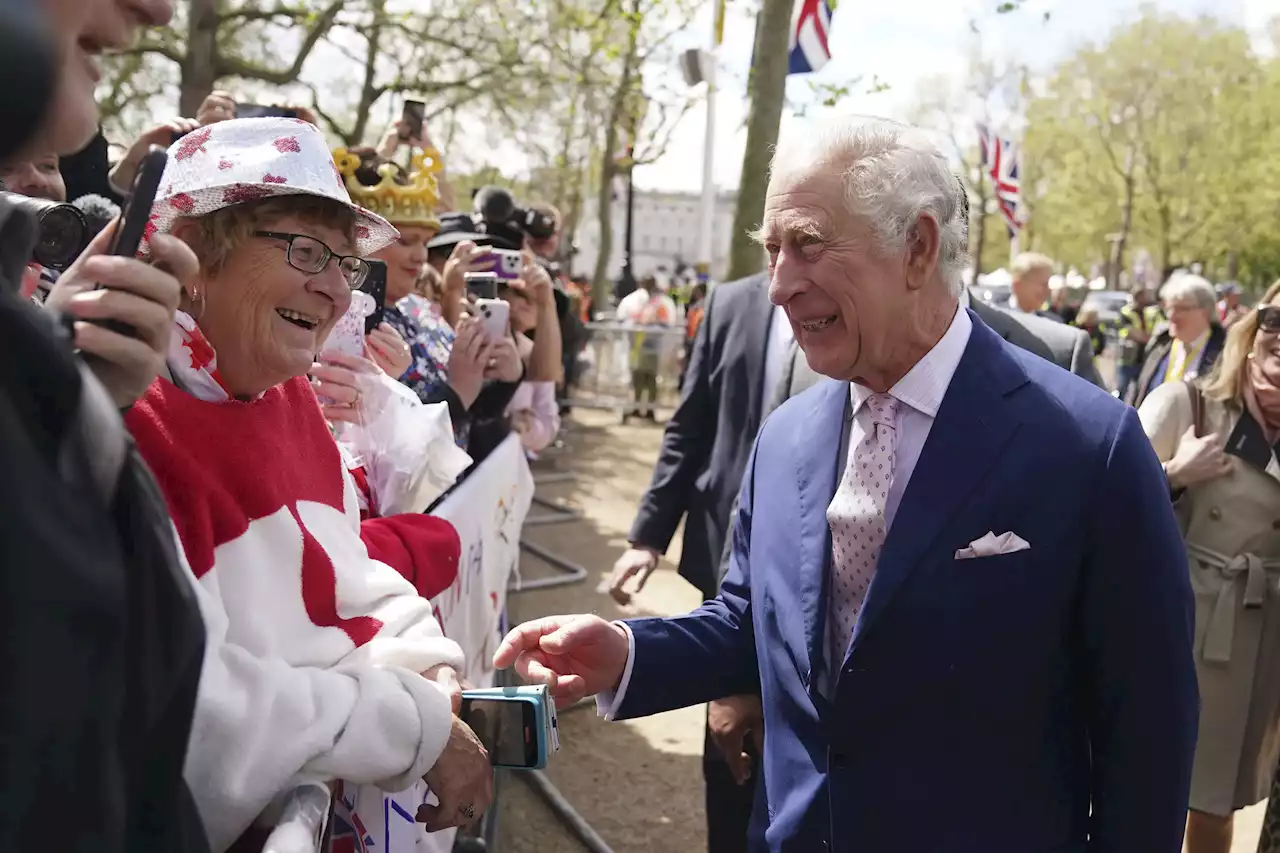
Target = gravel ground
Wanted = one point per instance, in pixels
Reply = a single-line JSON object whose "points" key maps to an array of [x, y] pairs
{"points": [[638, 784]]}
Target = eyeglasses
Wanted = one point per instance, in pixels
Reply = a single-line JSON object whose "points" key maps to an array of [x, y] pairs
{"points": [[309, 255], [1269, 319]]}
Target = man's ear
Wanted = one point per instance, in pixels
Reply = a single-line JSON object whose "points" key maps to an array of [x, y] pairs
{"points": [[923, 243]]}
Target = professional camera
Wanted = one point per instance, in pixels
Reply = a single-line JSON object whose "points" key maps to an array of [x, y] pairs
{"points": [[64, 230], [496, 208]]}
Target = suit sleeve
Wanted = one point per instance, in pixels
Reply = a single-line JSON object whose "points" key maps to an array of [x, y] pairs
{"points": [[1082, 364], [686, 447], [704, 655], [1136, 626]]}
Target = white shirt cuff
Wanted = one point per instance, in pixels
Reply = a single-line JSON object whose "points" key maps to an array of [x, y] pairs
{"points": [[608, 701]]}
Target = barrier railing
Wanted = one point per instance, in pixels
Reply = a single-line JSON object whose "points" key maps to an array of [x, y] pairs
{"points": [[617, 356]]}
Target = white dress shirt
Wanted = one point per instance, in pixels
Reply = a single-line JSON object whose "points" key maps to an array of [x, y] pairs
{"points": [[776, 349], [920, 391]]}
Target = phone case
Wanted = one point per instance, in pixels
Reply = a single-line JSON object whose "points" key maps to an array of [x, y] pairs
{"points": [[494, 315], [348, 336], [539, 697]]}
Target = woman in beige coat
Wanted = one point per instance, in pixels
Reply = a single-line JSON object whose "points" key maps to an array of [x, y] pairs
{"points": [[1215, 439]]}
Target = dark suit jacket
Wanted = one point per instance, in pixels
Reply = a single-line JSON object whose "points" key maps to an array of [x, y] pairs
{"points": [[1039, 700], [1159, 347], [707, 441]]}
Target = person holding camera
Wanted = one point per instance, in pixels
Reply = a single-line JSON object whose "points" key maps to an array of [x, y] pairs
{"points": [[103, 641]]}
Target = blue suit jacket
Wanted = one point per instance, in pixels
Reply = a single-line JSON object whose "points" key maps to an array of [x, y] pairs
{"points": [[1043, 700]]}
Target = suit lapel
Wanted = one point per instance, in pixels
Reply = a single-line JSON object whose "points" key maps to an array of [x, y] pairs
{"points": [[973, 425], [758, 320], [816, 450]]}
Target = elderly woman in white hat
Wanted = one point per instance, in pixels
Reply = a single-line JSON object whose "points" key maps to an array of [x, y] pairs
{"points": [[322, 662]]}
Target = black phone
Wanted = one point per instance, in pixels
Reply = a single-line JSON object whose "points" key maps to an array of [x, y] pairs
{"points": [[1248, 442], [136, 214], [262, 111], [375, 284], [413, 114], [137, 207], [508, 730], [482, 285]]}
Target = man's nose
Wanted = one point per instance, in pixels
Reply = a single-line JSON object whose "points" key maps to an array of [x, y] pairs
{"points": [[151, 13], [786, 281]]}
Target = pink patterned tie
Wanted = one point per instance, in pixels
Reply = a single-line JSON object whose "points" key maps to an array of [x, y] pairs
{"points": [[856, 518]]}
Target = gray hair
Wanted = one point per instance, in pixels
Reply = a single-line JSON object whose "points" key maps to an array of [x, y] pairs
{"points": [[892, 173], [1187, 287], [1027, 262]]}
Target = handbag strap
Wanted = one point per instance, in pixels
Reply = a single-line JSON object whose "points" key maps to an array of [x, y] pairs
{"points": [[1197, 406]]}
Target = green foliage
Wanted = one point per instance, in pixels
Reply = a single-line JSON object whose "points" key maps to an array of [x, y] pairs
{"points": [[1162, 136]]}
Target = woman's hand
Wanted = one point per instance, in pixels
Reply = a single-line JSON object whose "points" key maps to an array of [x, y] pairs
{"points": [[504, 361], [388, 350], [1197, 460], [461, 779], [163, 135], [445, 676], [343, 380], [465, 258], [468, 360], [218, 106], [100, 287]]}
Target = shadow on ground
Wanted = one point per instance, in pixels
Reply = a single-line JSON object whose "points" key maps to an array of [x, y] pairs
{"points": [[639, 783]]}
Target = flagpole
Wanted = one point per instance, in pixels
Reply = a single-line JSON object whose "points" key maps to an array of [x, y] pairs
{"points": [[706, 235]]}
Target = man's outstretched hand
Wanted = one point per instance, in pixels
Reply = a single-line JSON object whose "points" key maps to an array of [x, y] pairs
{"points": [[575, 656]]}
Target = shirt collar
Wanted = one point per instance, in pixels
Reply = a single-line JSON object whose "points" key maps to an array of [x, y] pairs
{"points": [[926, 383]]}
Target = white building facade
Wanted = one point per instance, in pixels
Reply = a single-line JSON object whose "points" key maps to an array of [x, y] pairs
{"points": [[666, 232]]}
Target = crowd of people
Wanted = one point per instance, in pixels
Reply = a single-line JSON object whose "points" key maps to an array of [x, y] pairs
{"points": [[219, 569], [936, 554]]}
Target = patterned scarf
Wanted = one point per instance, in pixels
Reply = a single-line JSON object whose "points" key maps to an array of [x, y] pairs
{"points": [[1262, 397]]}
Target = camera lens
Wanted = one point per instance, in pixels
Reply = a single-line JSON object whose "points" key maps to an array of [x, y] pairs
{"points": [[63, 236]]}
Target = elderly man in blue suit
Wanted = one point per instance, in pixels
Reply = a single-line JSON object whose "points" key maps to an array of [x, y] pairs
{"points": [[956, 580]]}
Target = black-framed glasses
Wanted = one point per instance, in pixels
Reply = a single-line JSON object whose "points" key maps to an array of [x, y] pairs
{"points": [[309, 255], [1269, 319]]}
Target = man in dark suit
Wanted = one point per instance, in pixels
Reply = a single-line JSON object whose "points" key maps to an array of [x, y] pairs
{"points": [[739, 353], [930, 625]]}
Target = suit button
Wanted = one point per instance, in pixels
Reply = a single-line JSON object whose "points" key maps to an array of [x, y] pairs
{"points": [[839, 760], [1275, 525]]}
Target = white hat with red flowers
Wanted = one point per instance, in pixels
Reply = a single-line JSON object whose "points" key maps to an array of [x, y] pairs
{"points": [[247, 159]]}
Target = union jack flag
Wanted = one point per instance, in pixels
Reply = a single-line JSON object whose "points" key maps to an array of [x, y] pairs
{"points": [[810, 28], [1001, 159]]}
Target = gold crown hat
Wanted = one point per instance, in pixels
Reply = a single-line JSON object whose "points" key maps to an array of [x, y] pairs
{"points": [[412, 203]]}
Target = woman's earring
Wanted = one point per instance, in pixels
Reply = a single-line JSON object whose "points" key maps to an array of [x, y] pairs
{"points": [[197, 302]]}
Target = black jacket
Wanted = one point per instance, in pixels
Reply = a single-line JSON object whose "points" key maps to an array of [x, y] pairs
{"points": [[102, 641], [707, 442]]}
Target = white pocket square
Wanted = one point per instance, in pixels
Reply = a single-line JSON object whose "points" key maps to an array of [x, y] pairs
{"points": [[991, 545]]}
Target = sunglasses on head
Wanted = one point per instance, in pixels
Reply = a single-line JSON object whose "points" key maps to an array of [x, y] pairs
{"points": [[1269, 318]]}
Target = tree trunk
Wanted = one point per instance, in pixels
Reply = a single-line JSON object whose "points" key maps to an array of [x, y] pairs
{"points": [[979, 238], [200, 67], [768, 89], [1126, 224], [369, 90], [601, 294]]}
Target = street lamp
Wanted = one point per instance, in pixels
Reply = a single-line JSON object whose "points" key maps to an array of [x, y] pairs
{"points": [[628, 272]]}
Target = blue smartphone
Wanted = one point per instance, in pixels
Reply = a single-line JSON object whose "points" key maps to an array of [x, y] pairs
{"points": [[517, 725]]}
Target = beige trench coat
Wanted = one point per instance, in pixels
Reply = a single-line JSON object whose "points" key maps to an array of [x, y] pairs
{"points": [[1232, 530]]}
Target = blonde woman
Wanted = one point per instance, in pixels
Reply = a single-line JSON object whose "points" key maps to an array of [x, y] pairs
{"points": [[1215, 438]]}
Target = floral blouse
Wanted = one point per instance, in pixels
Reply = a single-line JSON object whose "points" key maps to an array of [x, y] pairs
{"points": [[430, 341]]}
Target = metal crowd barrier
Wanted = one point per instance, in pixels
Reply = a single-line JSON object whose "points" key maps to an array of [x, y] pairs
{"points": [[616, 355]]}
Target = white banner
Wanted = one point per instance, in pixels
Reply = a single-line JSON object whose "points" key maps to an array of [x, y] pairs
{"points": [[488, 509]]}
